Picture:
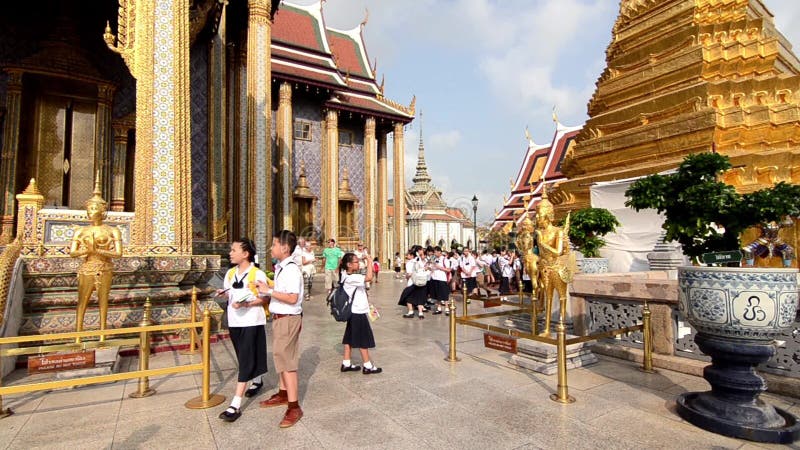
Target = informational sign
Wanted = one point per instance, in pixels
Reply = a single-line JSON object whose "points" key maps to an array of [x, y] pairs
{"points": [[60, 361], [491, 302], [734, 256], [503, 343]]}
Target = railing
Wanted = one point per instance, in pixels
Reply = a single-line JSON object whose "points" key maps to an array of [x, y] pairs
{"points": [[561, 341], [205, 400]]}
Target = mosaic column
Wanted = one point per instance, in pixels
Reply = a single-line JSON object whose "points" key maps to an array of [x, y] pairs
{"points": [[285, 136], [30, 202], [103, 137], [399, 188], [259, 121], [382, 218], [8, 161], [370, 190], [119, 157], [163, 222], [330, 176], [217, 142]]}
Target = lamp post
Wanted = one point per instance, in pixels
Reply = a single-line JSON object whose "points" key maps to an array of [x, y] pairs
{"points": [[475, 222]]}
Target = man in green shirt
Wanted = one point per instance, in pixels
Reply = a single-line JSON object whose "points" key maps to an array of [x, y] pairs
{"points": [[332, 255]]}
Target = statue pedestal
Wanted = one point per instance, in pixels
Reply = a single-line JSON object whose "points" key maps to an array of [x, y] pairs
{"points": [[106, 362], [543, 358]]}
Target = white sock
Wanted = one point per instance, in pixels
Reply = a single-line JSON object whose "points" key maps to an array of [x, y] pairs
{"points": [[368, 365], [236, 402], [257, 380], [346, 362]]}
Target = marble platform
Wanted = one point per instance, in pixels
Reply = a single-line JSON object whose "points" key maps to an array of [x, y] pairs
{"points": [[543, 358]]}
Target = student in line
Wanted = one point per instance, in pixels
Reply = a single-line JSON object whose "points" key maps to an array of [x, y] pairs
{"points": [[286, 308], [246, 320], [358, 332]]}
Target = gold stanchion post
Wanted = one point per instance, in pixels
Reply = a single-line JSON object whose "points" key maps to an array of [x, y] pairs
{"points": [[192, 331], [144, 353], [647, 337], [563, 391], [519, 290], [451, 357], [206, 400], [466, 300], [7, 411]]}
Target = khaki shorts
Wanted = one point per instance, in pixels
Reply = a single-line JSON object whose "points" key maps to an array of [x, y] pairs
{"points": [[331, 278], [286, 343]]}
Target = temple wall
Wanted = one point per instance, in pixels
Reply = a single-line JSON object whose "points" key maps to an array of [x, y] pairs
{"points": [[199, 132], [309, 151], [352, 157]]}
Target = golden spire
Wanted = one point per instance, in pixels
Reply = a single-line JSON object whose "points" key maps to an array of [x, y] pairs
{"points": [[345, 193], [302, 190], [97, 197]]}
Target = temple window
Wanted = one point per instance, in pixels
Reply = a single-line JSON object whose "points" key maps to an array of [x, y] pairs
{"points": [[302, 130], [345, 138]]}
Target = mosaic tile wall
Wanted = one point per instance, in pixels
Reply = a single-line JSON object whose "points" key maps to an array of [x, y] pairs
{"points": [[353, 159], [199, 127], [309, 151]]}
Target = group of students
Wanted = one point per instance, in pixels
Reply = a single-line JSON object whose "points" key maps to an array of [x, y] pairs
{"points": [[250, 295], [445, 272]]}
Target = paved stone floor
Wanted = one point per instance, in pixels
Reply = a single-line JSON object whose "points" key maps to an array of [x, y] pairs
{"points": [[419, 401]]}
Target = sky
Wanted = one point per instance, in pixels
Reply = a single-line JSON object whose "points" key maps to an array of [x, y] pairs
{"points": [[483, 70]]}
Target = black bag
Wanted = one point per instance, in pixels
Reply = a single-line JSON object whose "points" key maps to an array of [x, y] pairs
{"points": [[495, 268], [340, 303]]}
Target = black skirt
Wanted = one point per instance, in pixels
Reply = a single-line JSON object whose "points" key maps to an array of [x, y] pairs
{"points": [[439, 290], [416, 295], [250, 345], [358, 333], [472, 283]]}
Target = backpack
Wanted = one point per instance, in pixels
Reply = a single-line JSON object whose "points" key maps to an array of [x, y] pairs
{"points": [[341, 303], [495, 268], [251, 281], [420, 276]]}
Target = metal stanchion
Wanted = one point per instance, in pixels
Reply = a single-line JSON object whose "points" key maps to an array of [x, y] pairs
{"points": [[451, 357], [647, 333], [519, 291], [192, 331], [7, 411], [144, 353], [466, 300], [563, 390], [206, 400]]}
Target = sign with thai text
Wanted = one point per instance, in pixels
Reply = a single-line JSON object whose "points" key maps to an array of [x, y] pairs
{"points": [[60, 361], [734, 256], [503, 343]]}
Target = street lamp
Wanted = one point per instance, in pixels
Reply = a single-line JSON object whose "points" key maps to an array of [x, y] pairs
{"points": [[475, 222]]}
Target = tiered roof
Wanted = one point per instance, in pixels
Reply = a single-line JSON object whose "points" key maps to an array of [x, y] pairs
{"points": [[304, 50], [541, 166]]}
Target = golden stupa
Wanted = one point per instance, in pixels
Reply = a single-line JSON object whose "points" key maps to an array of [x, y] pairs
{"points": [[688, 76]]}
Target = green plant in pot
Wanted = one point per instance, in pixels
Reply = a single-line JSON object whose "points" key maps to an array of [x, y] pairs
{"points": [[737, 312], [586, 230]]}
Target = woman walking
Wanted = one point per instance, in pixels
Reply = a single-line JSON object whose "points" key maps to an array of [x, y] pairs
{"points": [[358, 332]]}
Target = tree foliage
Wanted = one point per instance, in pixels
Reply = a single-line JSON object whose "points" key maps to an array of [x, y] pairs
{"points": [[586, 228]]}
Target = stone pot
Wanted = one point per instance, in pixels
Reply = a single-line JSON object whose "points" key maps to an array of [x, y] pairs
{"points": [[593, 265], [737, 313]]}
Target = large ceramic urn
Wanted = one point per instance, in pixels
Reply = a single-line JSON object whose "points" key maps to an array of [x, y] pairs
{"points": [[738, 312]]}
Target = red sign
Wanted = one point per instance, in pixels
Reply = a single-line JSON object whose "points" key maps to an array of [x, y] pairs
{"points": [[492, 302], [60, 361], [503, 343]]}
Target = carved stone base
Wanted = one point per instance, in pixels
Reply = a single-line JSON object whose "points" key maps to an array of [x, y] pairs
{"points": [[106, 362], [543, 358]]}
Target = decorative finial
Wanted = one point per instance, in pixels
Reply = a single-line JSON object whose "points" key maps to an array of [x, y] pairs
{"points": [[383, 83], [32, 189], [555, 115], [366, 18], [97, 194], [413, 105]]}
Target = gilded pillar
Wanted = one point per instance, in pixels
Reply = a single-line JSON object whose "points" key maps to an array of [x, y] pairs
{"points": [[163, 222], [217, 142], [119, 156], [330, 175], [30, 202], [382, 218], [399, 189], [103, 137], [370, 190], [285, 135], [8, 163], [259, 122]]}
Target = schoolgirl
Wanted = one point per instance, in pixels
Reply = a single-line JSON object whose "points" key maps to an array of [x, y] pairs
{"points": [[439, 290], [358, 332], [246, 321], [413, 295]]}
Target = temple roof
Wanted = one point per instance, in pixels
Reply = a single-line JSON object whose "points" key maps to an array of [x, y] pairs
{"points": [[304, 50], [541, 166]]}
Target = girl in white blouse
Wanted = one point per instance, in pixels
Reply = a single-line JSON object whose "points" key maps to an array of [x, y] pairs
{"points": [[358, 332]]}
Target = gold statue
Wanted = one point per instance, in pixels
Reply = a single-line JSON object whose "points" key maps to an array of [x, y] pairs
{"points": [[556, 260], [524, 242], [99, 243]]}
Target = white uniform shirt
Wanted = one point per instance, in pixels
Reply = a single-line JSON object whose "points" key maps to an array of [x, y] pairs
{"points": [[354, 285], [412, 265], [308, 269], [468, 266], [505, 267], [439, 270], [244, 316], [288, 279]]}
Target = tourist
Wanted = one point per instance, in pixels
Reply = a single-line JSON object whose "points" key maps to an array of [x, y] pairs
{"points": [[376, 268], [332, 255], [307, 265], [414, 295], [246, 320], [454, 277], [438, 289], [286, 308], [358, 332], [507, 272], [469, 270], [397, 263], [486, 261], [363, 260]]}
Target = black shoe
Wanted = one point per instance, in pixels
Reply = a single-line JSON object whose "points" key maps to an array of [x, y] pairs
{"points": [[438, 311], [229, 416], [374, 369], [350, 368], [253, 390], [446, 312], [408, 315], [421, 316]]}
